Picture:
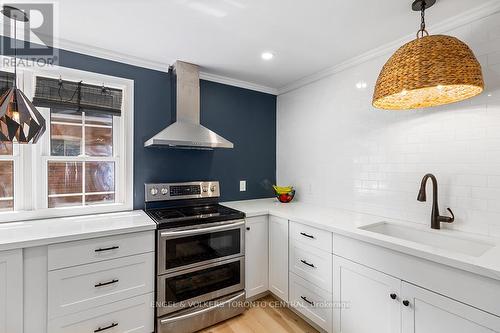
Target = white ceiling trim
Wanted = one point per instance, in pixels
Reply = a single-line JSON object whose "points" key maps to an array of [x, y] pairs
{"points": [[111, 55], [159, 66], [467, 17], [238, 83]]}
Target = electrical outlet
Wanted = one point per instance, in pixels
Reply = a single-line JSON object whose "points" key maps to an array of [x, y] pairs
{"points": [[243, 185]]}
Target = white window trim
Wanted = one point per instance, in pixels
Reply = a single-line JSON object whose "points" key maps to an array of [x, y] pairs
{"points": [[30, 203]]}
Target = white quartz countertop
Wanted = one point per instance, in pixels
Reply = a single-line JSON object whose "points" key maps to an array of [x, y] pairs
{"points": [[347, 223], [42, 232]]}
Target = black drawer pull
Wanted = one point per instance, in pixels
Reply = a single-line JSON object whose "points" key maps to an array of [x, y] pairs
{"points": [[307, 235], [393, 296], [306, 300], [100, 329], [308, 264], [406, 303], [107, 248], [102, 284]]}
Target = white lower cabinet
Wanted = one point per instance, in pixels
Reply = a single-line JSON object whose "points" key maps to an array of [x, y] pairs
{"points": [[256, 256], [278, 257], [11, 291], [110, 290], [429, 312], [78, 288], [132, 315], [311, 264], [366, 301], [369, 301], [313, 302]]}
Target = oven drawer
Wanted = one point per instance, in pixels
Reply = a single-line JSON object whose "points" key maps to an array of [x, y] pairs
{"points": [[131, 315], [75, 289], [88, 251], [189, 287], [184, 249], [313, 302], [311, 264], [197, 318], [317, 238]]}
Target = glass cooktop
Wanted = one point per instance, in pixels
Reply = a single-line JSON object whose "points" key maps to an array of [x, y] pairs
{"points": [[175, 217]]}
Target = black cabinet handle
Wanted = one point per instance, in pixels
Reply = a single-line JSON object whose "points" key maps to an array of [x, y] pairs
{"points": [[102, 284], [306, 300], [107, 248], [248, 228], [100, 329], [394, 296], [406, 302], [307, 235], [308, 264]]}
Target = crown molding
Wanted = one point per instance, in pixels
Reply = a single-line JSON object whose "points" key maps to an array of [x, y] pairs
{"points": [[155, 65], [451, 23], [102, 53], [238, 83], [112, 55]]}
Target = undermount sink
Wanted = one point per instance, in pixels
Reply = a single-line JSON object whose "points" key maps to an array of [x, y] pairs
{"points": [[459, 244]]}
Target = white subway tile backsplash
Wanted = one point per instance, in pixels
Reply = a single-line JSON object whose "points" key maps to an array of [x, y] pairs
{"points": [[485, 193], [372, 161], [494, 181]]}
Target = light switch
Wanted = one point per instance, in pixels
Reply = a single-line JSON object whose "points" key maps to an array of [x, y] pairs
{"points": [[243, 185]]}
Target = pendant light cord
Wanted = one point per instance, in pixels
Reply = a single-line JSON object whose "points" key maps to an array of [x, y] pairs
{"points": [[15, 52], [421, 32]]}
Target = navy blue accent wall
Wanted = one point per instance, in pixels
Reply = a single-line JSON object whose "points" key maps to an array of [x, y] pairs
{"points": [[245, 117]]}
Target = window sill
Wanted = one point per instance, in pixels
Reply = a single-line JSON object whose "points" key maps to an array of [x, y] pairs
{"points": [[14, 216]]}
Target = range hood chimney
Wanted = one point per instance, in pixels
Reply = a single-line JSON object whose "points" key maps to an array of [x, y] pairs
{"points": [[187, 132]]}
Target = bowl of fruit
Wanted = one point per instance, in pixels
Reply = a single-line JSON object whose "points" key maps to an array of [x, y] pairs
{"points": [[284, 193]]}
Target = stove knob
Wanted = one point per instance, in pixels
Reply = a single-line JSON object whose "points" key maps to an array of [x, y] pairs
{"points": [[164, 190], [204, 189], [154, 191], [212, 188]]}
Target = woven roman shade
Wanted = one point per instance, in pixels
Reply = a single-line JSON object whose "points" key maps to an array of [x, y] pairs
{"points": [[6, 82], [77, 96], [428, 71]]}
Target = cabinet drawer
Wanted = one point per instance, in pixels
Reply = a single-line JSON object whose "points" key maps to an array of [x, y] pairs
{"points": [[131, 315], [313, 302], [312, 264], [75, 289], [87, 251], [318, 238]]}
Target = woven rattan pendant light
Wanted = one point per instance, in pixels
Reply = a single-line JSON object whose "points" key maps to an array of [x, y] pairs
{"points": [[428, 71]]}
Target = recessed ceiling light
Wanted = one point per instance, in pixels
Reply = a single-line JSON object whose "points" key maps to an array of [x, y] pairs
{"points": [[267, 55], [361, 85]]}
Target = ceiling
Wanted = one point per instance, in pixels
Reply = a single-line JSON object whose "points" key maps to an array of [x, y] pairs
{"points": [[227, 37]]}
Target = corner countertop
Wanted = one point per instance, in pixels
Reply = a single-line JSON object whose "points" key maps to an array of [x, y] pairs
{"points": [[348, 223], [15, 235]]}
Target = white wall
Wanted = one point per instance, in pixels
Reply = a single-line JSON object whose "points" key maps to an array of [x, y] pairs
{"points": [[339, 151]]}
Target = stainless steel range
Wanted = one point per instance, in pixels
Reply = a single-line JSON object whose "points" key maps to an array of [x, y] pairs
{"points": [[200, 254]]}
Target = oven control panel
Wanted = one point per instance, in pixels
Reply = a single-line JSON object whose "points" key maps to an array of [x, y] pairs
{"points": [[178, 191]]}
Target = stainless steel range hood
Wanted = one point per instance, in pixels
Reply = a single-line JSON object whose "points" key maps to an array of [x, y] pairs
{"points": [[187, 132]]}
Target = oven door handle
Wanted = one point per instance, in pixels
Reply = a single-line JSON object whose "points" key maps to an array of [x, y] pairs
{"points": [[196, 313], [201, 230]]}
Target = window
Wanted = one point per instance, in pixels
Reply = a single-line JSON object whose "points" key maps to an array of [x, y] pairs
{"points": [[83, 162], [6, 176], [81, 166], [6, 156]]}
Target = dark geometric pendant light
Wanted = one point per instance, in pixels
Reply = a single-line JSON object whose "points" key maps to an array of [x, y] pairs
{"points": [[20, 121]]}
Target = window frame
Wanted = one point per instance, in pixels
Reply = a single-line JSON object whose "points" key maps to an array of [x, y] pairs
{"points": [[31, 161]]}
